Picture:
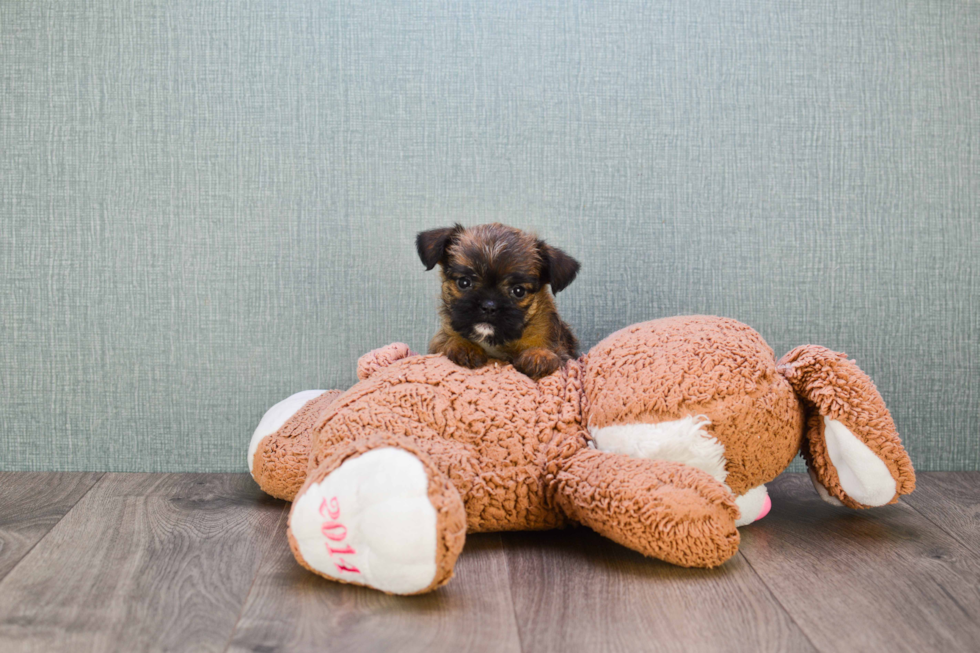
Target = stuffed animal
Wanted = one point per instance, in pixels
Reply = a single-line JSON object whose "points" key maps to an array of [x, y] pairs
{"points": [[661, 438]]}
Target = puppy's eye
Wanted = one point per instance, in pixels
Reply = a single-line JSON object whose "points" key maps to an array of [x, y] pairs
{"points": [[518, 291], [463, 283]]}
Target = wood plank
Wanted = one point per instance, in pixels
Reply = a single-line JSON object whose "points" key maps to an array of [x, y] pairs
{"points": [[31, 503], [143, 562], [291, 609], [576, 591], [951, 500], [865, 580]]}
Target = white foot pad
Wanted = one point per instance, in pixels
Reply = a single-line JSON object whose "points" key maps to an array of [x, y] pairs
{"points": [[370, 522]]}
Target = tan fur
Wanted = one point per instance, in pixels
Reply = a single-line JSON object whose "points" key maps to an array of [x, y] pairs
{"points": [[517, 453], [833, 386], [548, 337], [281, 459]]}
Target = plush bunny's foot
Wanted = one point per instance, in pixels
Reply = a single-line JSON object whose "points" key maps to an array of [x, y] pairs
{"points": [[384, 519], [280, 447]]}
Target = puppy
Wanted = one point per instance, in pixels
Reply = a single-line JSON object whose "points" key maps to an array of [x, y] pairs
{"points": [[495, 298]]}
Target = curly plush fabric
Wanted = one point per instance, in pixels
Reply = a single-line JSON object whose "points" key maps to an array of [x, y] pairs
{"points": [[666, 510], [281, 460], [686, 366], [380, 358], [488, 430], [503, 452], [834, 387]]}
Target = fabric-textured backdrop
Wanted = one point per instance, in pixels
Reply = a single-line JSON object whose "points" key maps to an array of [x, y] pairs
{"points": [[208, 206]]}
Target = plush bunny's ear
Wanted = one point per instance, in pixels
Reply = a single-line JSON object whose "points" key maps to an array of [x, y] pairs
{"points": [[558, 268], [432, 244], [852, 449]]}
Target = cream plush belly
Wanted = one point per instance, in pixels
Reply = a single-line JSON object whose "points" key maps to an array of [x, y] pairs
{"points": [[681, 440]]}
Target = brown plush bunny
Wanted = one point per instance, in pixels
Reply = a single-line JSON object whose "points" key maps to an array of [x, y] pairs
{"points": [[660, 438]]}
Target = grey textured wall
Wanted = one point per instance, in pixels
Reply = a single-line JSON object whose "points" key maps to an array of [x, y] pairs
{"points": [[207, 206]]}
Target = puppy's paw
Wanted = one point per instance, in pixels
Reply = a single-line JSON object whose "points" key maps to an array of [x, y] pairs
{"points": [[466, 354], [537, 363]]}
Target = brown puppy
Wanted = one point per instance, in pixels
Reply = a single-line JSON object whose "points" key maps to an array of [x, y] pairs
{"points": [[495, 298]]}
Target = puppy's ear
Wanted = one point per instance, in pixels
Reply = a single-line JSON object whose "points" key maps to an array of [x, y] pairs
{"points": [[557, 267], [432, 244]]}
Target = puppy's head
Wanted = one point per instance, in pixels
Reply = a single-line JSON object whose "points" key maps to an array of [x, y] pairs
{"points": [[495, 278]]}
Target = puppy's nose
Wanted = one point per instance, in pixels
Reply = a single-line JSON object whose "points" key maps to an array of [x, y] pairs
{"points": [[488, 306]]}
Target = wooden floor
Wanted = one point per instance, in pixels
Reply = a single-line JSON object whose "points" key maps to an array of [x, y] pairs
{"points": [[199, 562]]}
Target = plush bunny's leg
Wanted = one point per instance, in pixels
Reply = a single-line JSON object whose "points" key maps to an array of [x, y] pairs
{"points": [[852, 450], [280, 447], [666, 510], [378, 513]]}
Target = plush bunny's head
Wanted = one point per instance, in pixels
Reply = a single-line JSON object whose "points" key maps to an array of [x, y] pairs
{"points": [[708, 392]]}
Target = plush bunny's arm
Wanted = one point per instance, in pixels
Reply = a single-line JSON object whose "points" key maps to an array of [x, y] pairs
{"points": [[662, 509], [852, 449]]}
